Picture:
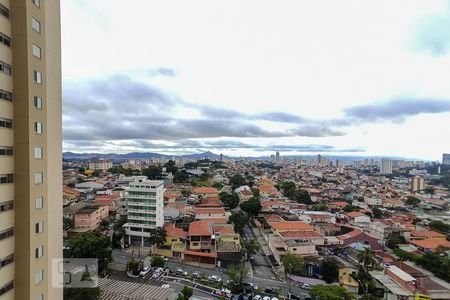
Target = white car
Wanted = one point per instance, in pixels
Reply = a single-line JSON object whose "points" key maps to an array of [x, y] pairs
{"points": [[266, 298], [144, 272], [274, 298], [257, 297], [214, 278], [306, 286]]}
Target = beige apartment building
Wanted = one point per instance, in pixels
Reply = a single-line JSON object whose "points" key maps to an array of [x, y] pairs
{"points": [[30, 148]]}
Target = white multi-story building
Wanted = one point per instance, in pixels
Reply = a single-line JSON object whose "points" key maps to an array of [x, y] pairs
{"points": [[100, 164], [145, 209], [446, 159], [386, 166]]}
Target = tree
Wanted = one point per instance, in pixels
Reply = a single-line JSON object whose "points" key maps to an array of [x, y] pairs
{"points": [[185, 193], [171, 167], [153, 172], [394, 239], [157, 236], [134, 266], [288, 188], [252, 206], [411, 200], [229, 200], [302, 196], [377, 213], [237, 274], [187, 292], [237, 180], [366, 258], [436, 262], [91, 244], [322, 206], [293, 264], [330, 270], [252, 247], [157, 262], [440, 227], [67, 223], [180, 177], [429, 190], [330, 292], [239, 219], [349, 208], [119, 232]]}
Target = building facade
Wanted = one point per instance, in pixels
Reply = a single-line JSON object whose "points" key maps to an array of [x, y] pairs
{"points": [[100, 165], [145, 209], [30, 148], [446, 159], [417, 184], [386, 166]]}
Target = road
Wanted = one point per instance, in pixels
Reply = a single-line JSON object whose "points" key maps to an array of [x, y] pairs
{"points": [[122, 257]]}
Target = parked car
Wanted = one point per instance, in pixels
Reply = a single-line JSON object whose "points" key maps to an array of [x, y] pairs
{"points": [[274, 298], [293, 296], [144, 272], [270, 291], [306, 286], [215, 278], [257, 297], [179, 271], [266, 298], [196, 275]]}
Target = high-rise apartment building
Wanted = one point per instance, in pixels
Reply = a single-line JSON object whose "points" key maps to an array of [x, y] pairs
{"points": [[417, 184], [30, 148], [446, 159], [277, 156], [386, 166], [145, 209]]}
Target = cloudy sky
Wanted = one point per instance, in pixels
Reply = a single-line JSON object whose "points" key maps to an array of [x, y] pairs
{"points": [[252, 77]]}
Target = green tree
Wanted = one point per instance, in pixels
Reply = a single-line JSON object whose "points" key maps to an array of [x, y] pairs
{"points": [[91, 244], [429, 190], [171, 167], [437, 262], [292, 264], [153, 172], [185, 193], [229, 200], [302, 196], [237, 180], [181, 177], [411, 200], [377, 213], [157, 236], [119, 232], [134, 266], [366, 258], [252, 206], [237, 274], [157, 262], [349, 208], [394, 239], [330, 292], [330, 270], [239, 219], [187, 292], [67, 223], [440, 227], [288, 188], [252, 247]]}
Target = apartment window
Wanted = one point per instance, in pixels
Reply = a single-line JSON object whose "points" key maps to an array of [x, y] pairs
{"points": [[38, 177], [37, 102], [35, 24], [6, 40], [38, 152], [38, 127], [7, 123], [39, 276], [39, 202], [6, 260], [5, 68], [4, 234], [6, 178], [6, 150], [4, 11], [36, 51], [37, 3], [5, 206], [39, 227], [6, 288], [5, 95], [37, 76], [39, 252]]}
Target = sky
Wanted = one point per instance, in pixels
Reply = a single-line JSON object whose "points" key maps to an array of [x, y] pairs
{"points": [[248, 78]]}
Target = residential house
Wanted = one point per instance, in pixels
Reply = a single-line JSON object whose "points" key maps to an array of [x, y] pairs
{"points": [[200, 243], [205, 192], [346, 279], [89, 217]]}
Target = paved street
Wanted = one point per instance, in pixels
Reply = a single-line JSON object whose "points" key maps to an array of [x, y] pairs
{"points": [[254, 277]]}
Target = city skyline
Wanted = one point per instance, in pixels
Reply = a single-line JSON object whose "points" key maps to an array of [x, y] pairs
{"points": [[231, 81]]}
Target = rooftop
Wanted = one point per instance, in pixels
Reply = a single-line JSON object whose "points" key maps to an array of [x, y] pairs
{"points": [[292, 226]]}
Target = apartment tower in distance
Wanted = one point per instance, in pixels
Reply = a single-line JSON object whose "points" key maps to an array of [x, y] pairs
{"points": [[30, 148], [446, 159], [386, 166]]}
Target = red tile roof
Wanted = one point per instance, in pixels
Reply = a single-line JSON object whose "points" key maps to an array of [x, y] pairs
{"points": [[292, 226], [171, 230], [354, 214], [202, 227], [427, 234], [205, 190], [223, 229], [431, 244], [300, 234], [204, 254]]}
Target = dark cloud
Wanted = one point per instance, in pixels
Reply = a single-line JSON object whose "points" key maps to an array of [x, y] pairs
{"points": [[120, 108], [396, 110]]}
